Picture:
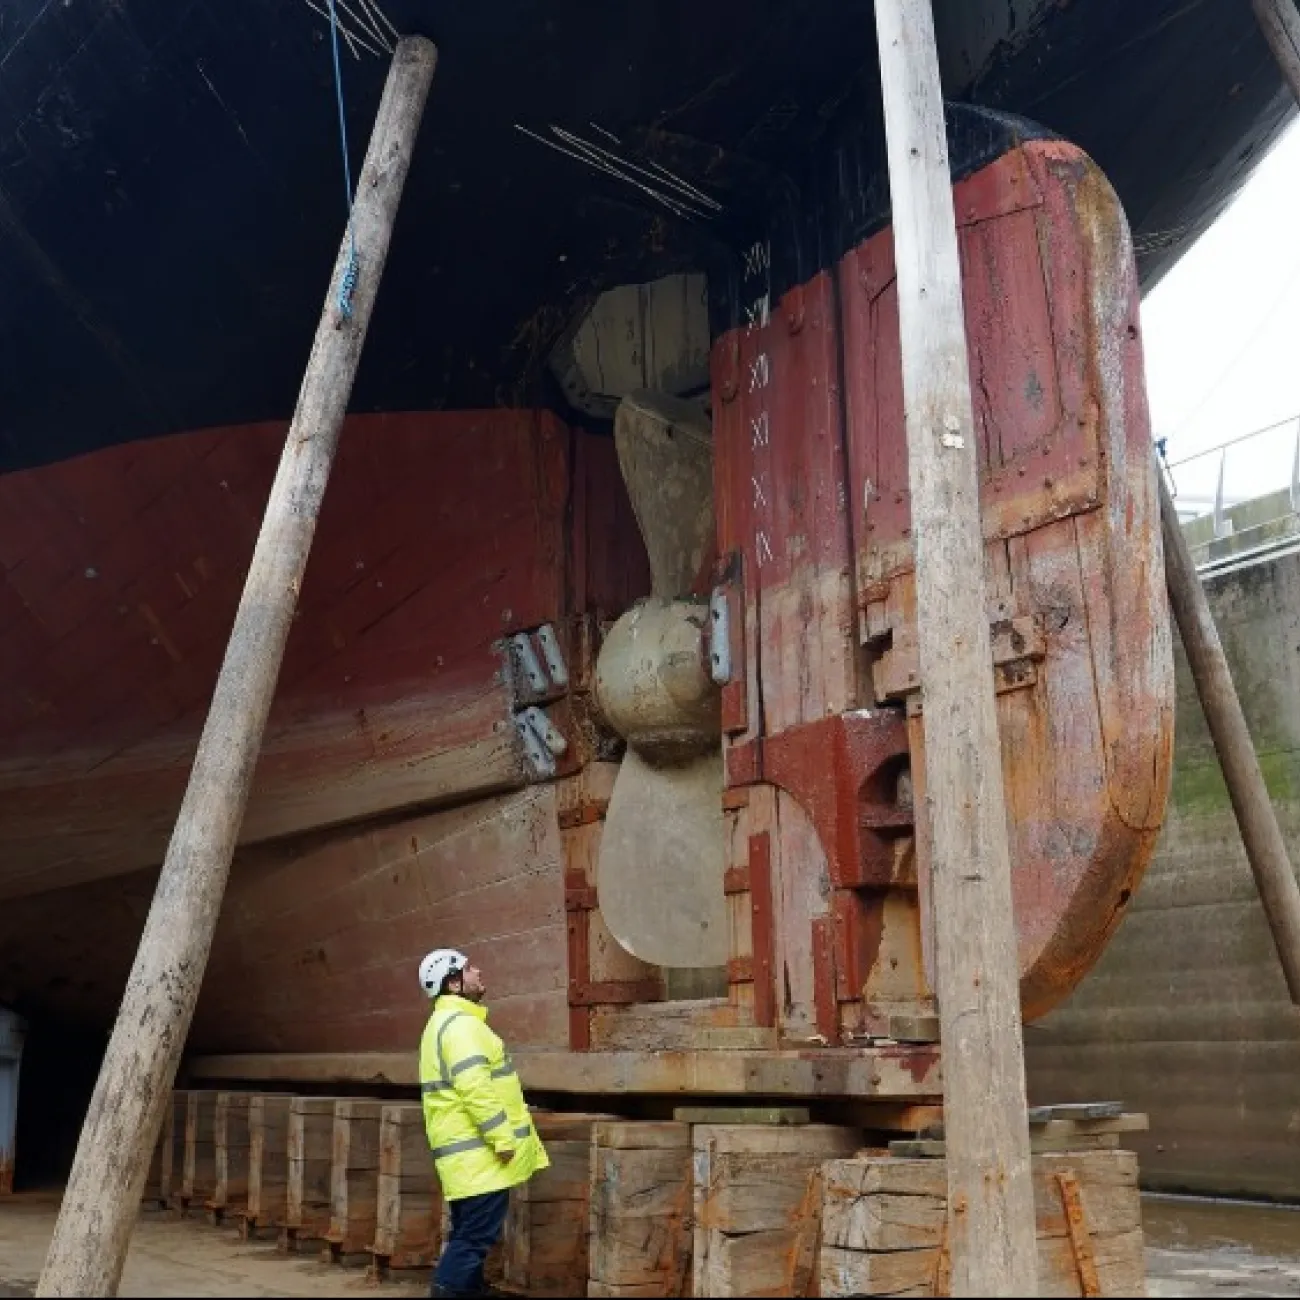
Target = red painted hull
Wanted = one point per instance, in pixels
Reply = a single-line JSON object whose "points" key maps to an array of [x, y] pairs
{"points": [[319, 940], [123, 570]]}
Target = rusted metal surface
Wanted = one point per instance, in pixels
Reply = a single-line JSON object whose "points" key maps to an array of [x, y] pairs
{"points": [[813, 504], [763, 968], [1076, 1227]]}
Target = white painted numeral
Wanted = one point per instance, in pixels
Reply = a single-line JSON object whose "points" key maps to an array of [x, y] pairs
{"points": [[758, 314], [762, 548], [760, 431], [760, 372], [760, 498], [758, 257]]}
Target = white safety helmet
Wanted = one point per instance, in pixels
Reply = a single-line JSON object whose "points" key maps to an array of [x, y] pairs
{"points": [[435, 968]]}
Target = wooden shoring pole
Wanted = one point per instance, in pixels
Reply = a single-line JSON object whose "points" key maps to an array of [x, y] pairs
{"points": [[977, 984], [1256, 818], [1280, 22], [99, 1208]]}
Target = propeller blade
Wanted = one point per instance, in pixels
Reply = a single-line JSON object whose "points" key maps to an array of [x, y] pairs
{"points": [[665, 452], [659, 875]]}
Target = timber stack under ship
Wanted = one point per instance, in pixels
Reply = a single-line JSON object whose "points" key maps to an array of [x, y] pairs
{"points": [[670, 224]]}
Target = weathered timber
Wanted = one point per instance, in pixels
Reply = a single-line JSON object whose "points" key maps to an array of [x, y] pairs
{"points": [[884, 1224], [742, 1115], [976, 975], [604, 978], [171, 1156], [705, 1023], [889, 1073], [153, 1181], [1076, 1110], [546, 1233], [199, 1176], [354, 1178], [1069, 504], [408, 1218], [309, 1193], [931, 1148], [99, 1208], [232, 1145], [1266, 850], [611, 1289], [268, 1163], [1043, 1124], [753, 1215], [640, 1208], [1280, 24]]}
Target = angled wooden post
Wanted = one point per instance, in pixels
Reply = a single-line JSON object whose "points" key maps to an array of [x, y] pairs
{"points": [[1256, 819], [99, 1208], [1280, 22], [990, 1195]]}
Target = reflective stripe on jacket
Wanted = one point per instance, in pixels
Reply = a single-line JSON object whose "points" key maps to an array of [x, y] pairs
{"points": [[473, 1104]]}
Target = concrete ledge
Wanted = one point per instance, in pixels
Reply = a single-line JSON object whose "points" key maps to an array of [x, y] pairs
{"points": [[897, 1071]]}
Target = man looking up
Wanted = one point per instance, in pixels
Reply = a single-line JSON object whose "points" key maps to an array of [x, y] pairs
{"points": [[479, 1128]]}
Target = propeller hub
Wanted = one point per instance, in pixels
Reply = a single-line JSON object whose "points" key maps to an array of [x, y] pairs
{"points": [[653, 683]]}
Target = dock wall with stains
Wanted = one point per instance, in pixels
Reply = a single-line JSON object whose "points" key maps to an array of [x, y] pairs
{"points": [[1186, 1015]]}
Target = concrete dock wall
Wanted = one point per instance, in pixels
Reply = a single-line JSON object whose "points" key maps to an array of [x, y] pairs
{"points": [[1186, 1015]]}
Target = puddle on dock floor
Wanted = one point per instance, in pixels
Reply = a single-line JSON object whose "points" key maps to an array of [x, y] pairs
{"points": [[1199, 1247]]}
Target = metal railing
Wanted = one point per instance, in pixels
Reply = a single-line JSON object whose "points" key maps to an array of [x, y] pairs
{"points": [[1241, 496]]}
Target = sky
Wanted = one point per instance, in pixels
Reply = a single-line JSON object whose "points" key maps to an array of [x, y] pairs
{"points": [[1221, 334]]}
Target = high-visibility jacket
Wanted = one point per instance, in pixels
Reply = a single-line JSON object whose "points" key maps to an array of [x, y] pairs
{"points": [[474, 1104]]}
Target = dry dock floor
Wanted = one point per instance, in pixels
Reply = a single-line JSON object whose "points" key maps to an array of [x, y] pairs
{"points": [[187, 1257], [1195, 1248]]}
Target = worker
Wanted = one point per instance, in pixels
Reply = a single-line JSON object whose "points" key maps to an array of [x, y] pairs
{"points": [[479, 1128]]}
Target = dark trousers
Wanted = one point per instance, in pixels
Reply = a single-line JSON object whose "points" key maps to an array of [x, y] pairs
{"points": [[476, 1223]]}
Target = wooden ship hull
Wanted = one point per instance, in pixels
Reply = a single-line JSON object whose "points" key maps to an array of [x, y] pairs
{"points": [[440, 767], [696, 253]]}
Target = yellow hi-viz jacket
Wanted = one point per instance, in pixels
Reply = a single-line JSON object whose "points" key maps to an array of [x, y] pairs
{"points": [[474, 1104]]}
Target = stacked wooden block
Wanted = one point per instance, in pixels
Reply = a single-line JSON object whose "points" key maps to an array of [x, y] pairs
{"points": [[640, 1209], [309, 1196], [231, 1147], [199, 1171], [170, 1152], [719, 1202], [545, 1240], [408, 1220], [884, 1226], [354, 1178], [755, 1203], [268, 1164]]}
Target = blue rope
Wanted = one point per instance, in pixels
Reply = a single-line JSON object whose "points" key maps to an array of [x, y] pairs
{"points": [[349, 281]]}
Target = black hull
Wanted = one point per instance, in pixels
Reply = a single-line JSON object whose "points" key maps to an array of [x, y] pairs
{"points": [[171, 193]]}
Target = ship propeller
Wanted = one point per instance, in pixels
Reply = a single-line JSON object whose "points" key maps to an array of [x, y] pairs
{"points": [[662, 853]]}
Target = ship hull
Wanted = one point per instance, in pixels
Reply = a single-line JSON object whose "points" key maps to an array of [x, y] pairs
{"points": [[441, 534], [171, 190], [319, 941]]}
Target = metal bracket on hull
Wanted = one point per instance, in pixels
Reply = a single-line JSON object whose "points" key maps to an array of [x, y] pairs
{"points": [[537, 673], [543, 741], [536, 665]]}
